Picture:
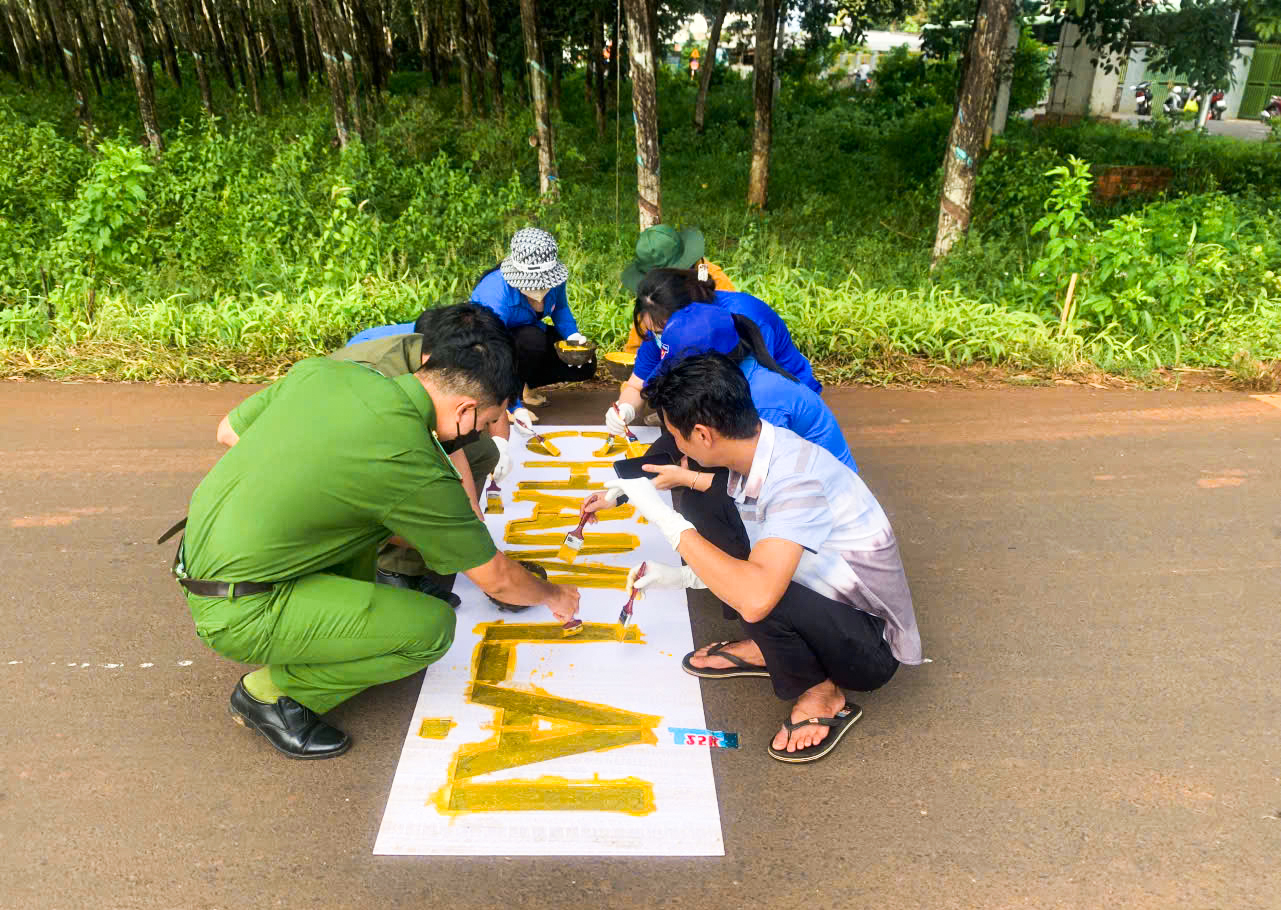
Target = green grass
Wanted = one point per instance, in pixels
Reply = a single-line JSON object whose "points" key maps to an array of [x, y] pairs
{"points": [[253, 242]]}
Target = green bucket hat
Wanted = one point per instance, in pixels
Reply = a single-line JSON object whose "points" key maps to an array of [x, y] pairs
{"points": [[663, 247]]}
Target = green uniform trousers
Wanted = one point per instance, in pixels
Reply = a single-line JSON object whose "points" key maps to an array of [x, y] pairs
{"points": [[482, 457], [331, 635]]}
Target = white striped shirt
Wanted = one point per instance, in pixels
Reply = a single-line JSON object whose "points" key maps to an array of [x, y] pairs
{"points": [[798, 491]]}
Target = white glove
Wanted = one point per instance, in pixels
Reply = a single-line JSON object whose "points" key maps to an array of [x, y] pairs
{"points": [[661, 575], [523, 419], [504, 466], [577, 338], [618, 417], [641, 494]]}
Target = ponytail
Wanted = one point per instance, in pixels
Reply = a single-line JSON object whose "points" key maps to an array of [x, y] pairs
{"points": [[751, 342]]}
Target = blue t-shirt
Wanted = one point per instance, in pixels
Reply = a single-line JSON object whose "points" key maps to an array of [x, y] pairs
{"points": [[514, 309], [778, 340], [793, 405], [381, 331]]}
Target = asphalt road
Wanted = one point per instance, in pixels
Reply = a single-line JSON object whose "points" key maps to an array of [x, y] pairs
{"points": [[1096, 578]]}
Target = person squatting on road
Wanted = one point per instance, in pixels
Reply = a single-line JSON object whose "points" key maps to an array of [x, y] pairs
{"points": [[663, 293], [523, 290], [324, 467], [822, 595], [664, 247], [475, 456]]}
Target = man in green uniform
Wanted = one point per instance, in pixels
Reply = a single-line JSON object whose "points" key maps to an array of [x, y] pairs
{"points": [[281, 536], [475, 456]]}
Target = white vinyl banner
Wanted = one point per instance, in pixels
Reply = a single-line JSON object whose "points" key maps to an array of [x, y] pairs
{"points": [[527, 741]]}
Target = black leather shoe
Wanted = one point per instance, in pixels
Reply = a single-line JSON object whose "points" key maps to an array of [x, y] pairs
{"points": [[429, 587], [289, 727]]}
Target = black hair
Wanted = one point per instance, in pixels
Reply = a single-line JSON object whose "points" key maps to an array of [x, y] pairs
{"points": [[664, 291], [752, 344], [471, 353], [456, 320], [706, 389]]}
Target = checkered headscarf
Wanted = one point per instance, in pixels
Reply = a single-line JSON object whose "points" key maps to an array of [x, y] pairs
{"points": [[532, 262]]}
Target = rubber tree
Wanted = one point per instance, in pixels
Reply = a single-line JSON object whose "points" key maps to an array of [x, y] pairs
{"points": [[547, 179], [763, 98], [709, 64], [968, 136], [640, 36], [72, 65], [492, 68]]}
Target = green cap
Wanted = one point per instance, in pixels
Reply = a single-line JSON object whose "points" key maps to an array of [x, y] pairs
{"points": [[663, 247]]}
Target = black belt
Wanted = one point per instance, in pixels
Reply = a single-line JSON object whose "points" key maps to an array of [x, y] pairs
{"points": [[228, 589]]}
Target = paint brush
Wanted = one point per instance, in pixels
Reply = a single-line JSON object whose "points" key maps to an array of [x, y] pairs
{"points": [[631, 437], [573, 627], [493, 499], [625, 617], [573, 541], [551, 449]]}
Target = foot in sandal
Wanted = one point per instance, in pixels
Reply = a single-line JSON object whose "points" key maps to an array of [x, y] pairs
{"points": [[819, 719], [724, 659], [532, 398]]}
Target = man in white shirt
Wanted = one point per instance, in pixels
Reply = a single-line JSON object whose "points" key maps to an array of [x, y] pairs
{"points": [[822, 595]]}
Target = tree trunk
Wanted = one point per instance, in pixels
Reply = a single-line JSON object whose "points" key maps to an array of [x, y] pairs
{"points": [[66, 43], [596, 72], [108, 43], [18, 39], [763, 96], [207, 12], [346, 43], [333, 73], [8, 46], [300, 48], [372, 47], [431, 26], [649, 196], [273, 49], [709, 64], [1001, 113], [615, 39], [555, 57], [461, 52], [250, 45], [780, 30], [199, 48], [547, 180], [168, 46], [230, 26], [141, 75], [490, 50], [90, 52], [969, 126]]}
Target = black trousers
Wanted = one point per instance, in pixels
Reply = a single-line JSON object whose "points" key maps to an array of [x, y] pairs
{"points": [[808, 638], [537, 361]]}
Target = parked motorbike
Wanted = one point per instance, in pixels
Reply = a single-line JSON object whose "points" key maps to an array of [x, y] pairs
{"points": [[1142, 98], [1181, 98], [1218, 103], [1271, 109]]}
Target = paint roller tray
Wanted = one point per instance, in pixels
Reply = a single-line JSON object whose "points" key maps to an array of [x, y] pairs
{"points": [[533, 567]]}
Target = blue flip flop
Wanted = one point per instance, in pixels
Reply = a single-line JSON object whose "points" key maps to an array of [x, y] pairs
{"points": [[844, 719]]}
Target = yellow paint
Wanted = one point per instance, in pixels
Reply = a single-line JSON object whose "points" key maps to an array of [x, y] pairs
{"points": [[562, 512], [580, 574], [580, 477], [436, 727], [616, 445], [629, 795], [531, 725], [543, 445]]}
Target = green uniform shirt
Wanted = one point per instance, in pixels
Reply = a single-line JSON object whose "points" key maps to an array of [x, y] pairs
{"points": [[332, 459], [392, 355]]}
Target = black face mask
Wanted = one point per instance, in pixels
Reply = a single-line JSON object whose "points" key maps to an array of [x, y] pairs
{"points": [[462, 439]]}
